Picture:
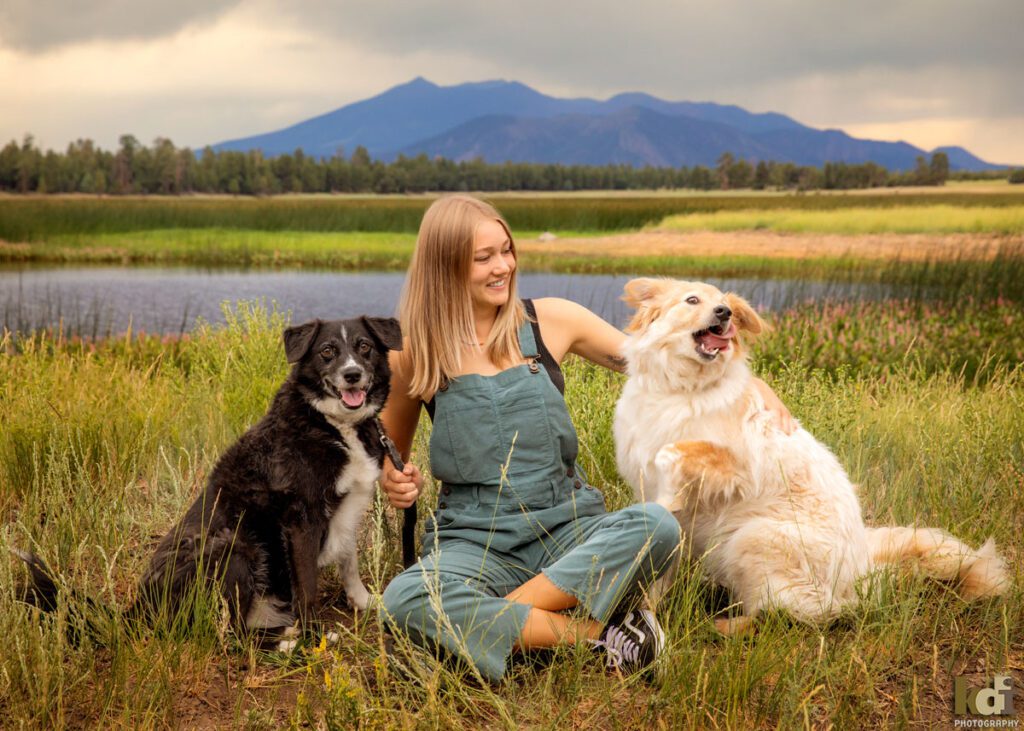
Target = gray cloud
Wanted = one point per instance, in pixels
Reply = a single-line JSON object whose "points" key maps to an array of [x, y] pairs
{"points": [[39, 25], [824, 62], [697, 50]]}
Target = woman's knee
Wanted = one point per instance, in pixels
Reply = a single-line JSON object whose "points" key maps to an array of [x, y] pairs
{"points": [[666, 527], [401, 598], [659, 529]]}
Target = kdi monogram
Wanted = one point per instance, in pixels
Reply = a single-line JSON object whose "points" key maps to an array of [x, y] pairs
{"points": [[989, 701]]}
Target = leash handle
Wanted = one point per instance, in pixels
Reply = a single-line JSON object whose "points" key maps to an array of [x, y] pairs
{"points": [[409, 513]]}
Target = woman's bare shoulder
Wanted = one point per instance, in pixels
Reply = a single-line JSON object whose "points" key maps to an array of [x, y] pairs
{"points": [[557, 309], [559, 321]]}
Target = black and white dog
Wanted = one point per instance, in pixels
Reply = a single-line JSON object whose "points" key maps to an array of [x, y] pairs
{"points": [[288, 496]]}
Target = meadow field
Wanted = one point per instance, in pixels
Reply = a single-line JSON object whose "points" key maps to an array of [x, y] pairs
{"points": [[37, 218], [104, 443], [933, 218]]}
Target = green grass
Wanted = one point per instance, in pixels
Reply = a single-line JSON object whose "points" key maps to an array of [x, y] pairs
{"points": [[37, 218], [899, 219], [975, 340], [380, 250], [350, 250], [104, 444]]}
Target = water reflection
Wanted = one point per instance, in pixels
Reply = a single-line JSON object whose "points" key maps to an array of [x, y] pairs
{"points": [[104, 300]]}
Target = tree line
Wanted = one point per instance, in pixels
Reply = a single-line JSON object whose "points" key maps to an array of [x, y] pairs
{"points": [[164, 169]]}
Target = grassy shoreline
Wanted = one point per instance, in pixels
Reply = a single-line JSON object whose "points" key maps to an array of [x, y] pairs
{"points": [[956, 275], [378, 233]]}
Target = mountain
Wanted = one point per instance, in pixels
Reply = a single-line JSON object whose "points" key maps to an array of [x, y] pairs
{"points": [[961, 159], [507, 120], [728, 114], [633, 136], [404, 114], [816, 147]]}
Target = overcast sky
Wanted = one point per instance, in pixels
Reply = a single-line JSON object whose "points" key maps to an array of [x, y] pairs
{"points": [[931, 72]]}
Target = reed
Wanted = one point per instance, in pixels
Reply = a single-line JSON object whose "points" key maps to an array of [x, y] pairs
{"points": [[29, 219]]}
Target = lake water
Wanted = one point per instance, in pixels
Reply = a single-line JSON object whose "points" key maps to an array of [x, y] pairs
{"points": [[104, 300]]}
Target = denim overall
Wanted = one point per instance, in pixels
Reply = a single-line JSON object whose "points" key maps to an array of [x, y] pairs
{"points": [[513, 503]]}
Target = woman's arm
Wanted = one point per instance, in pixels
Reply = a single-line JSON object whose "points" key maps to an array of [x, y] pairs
{"points": [[571, 328], [399, 417]]}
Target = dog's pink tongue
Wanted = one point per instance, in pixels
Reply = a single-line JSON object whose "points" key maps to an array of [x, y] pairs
{"points": [[720, 341], [353, 398]]}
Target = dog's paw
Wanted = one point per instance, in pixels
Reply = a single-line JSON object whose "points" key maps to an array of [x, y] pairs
{"points": [[358, 597], [290, 638], [735, 626], [667, 459]]}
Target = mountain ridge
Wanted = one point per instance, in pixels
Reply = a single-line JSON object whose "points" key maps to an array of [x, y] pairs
{"points": [[501, 120]]}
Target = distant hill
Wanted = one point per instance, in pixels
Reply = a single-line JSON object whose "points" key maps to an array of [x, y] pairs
{"points": [[507, 120], [634, 136]]}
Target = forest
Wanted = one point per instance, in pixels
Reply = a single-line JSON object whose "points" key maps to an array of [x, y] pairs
{"points": [[164, 169]]}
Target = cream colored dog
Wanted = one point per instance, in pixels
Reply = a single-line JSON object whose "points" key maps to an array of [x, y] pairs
{"points": [[774, 515]]}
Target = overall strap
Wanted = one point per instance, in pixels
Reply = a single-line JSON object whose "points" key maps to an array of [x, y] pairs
{"points": [[527, 343], [546, 359]]}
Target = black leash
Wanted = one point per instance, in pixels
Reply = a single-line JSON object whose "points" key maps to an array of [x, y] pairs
{"points": [[409, 513]]}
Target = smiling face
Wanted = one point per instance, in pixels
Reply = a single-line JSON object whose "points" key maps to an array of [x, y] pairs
{"points": [[493, 266], [343, 364], [689, 321]]}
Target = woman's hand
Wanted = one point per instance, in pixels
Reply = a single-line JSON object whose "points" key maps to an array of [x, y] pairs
{"points": [[401, 487], [781, 418]]}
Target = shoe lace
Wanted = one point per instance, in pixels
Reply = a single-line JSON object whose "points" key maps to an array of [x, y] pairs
{"points": [[656, 633], [621, 647]]}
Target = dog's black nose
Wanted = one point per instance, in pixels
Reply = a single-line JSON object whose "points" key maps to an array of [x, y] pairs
{"points": [[352, 374], [722, 312]]}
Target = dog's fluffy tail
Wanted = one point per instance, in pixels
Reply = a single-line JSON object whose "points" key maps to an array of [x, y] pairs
{"points": [[976, 572], [41, 589]]}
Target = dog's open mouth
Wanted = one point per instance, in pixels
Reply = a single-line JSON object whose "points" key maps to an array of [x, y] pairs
{"points": [[713, 340], [353, 398]]}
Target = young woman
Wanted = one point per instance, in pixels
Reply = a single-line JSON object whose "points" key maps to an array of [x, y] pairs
{"points": [[519, 536]]}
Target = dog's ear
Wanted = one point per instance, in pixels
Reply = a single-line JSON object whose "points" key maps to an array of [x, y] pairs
{"points": [[744, 315], [298, 338], [644, 295], [643, 291], [385, 331]]}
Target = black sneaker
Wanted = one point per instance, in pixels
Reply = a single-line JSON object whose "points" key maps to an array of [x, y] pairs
{"points": [[632, 641]]}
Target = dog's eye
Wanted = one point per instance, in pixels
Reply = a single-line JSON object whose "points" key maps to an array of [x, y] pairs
{"points": [[327, 352], [364, 347], [693, 300]]}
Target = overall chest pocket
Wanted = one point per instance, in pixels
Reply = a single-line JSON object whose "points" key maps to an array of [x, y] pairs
{"points": [[483, 425]]}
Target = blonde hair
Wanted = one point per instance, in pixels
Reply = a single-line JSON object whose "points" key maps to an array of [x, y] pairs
{"points": [[436, 309]]}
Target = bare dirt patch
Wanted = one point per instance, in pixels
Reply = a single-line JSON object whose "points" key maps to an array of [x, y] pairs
{"points": [[913, 247]]}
